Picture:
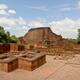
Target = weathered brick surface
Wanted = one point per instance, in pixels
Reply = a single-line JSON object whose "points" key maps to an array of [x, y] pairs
{"points": [[1, 48], [24, 64], [30, 65], [39, 37], [32, 61], [44, 37], [8, 66], [12, 47], [21, 47]]}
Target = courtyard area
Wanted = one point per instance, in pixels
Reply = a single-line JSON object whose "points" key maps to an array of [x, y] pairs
{"points": [[53, 69]]}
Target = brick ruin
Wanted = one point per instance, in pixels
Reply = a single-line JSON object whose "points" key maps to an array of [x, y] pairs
{"points": [[31, 61], [30, 52], [41, 37], [13, 56], [8, 63], [12, 47], [24, 60]]}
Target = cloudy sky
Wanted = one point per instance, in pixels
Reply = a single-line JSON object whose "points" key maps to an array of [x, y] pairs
{"points": [[63, 16]]}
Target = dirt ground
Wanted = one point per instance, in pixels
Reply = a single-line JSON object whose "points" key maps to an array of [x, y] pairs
{"points": [[52, 70]]}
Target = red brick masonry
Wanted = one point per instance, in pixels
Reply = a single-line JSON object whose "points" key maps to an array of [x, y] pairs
{"points": [[26, 61], [12, 47], [31, 61]]}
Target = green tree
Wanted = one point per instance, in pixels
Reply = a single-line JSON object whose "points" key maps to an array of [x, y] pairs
{"points": [[13, 39], [6, 38], [78, 38], [3, 35]]}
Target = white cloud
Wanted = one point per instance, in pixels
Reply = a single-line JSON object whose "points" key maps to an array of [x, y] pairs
{"points": [[21, 21], [74, 7], [67, 27], [12, 11], [12, 22], [5, 10], [42, 8], [36, 24], [3, 6], [6, 21], [66, 9], [39, 22]]}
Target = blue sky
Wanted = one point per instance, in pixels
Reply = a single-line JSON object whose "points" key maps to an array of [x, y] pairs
{"points": [[30, 9], [63, 16]]}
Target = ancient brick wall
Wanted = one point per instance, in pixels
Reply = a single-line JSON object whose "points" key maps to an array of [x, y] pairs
{"points": [[12, 65], [1, 48], [4, 48], [21, 47], [12, 47], [9, 66], [31, 65], [39, 36]]}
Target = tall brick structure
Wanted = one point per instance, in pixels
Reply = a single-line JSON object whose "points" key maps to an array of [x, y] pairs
{"points": [[42, 36]]}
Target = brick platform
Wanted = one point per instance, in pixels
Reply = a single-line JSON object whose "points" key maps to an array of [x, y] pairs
{"points": [[24, 60], [8, 63], [31, 61]]}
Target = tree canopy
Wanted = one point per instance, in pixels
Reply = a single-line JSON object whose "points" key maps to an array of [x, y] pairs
{"points": [[5, 36], [78, 38]]}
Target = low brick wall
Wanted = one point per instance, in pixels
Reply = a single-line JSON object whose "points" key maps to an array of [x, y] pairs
{"points": [[56, 50], [21, 47], [4, 48], [12, 47], [1, 48], [53, 50]]}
